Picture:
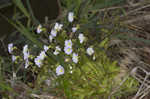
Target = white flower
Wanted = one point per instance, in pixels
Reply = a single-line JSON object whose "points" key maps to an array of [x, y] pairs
{"points": [[46, 48], [39, 29], [81, 38], [68, 43], [60, 70], [90, 51], [53, 33], [26, 52], [68, 50], [14, 58], [50, 38], [10, 48], [38, 61], [70, 16], [58, 26], [42, 55], [75, 58], [56, 52], [26, 63], [74, 29], [71, 71]]}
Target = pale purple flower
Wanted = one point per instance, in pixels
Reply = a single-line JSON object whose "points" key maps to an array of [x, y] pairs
{"points": [[26, 52], [90, 51], [46, 48], [68, 43], [26, 63], [14, 58], [38, 61], [51, 38], [58, 26], [81, 38], [60, 70], [53, 33], [70, 16], [10, 48], [39, 29], [57, 50], [74, 29], [68, 50], [75, 58], [42, 55]]}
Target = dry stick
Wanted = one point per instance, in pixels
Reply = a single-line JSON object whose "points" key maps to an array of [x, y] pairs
{"points": [[141, 18], [140, 89], [125, 6], [145, 93], [133, 11], [41, 96]]}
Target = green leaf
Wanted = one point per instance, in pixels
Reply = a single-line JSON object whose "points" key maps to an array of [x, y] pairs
{"points": [[20, 5]]}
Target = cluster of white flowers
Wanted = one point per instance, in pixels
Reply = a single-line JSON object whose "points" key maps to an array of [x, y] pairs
{"points": [[54, 31], [68, 47], [60, 70], [57, 50], [39, 59], [68, 50]]}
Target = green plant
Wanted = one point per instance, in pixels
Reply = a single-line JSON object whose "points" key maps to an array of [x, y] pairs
{"points": [[74, 56]]}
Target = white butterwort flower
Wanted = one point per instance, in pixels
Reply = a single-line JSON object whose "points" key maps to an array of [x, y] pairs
{"points": [[58, 26], [10, 48], [90, 51], [26, 63], [81, 38], [74, 29], [57, 50], [42, 55], [70, 16], [26, 52], [75, 58], [39, 29], [60, 70], [68, 50], [46, 48], [38, 61], [53, 33], [51, 38], [68, 43], [14, 58]]}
